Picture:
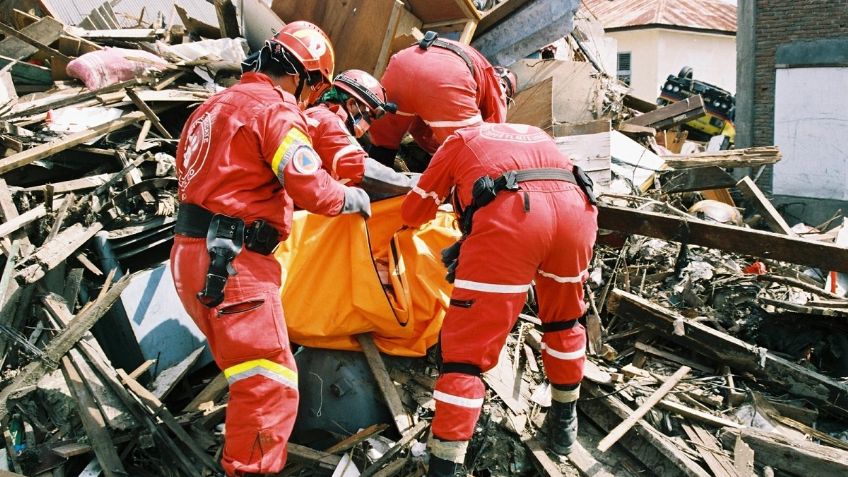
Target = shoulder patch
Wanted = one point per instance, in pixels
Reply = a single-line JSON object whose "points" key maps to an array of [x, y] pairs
{"points": [[305, 160]]}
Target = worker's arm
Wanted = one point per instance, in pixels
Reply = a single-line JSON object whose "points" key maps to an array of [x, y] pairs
{"points": [[340, 152], [288, 150], [422, 201]]}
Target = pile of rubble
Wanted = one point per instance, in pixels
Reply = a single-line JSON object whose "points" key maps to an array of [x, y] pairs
{"points": [[717, 341]]}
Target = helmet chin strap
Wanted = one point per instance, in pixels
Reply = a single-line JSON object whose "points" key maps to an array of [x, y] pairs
{"points": [[300, 84]]}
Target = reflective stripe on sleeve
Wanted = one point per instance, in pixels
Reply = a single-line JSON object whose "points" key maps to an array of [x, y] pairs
{"points": [[269, 369], [571, 355], [424, 194], [457, 400], [578, 279], [342, 152], [294, 139], [456, 124], [490, 287]]}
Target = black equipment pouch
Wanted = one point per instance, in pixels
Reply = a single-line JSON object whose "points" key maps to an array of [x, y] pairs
{"points": [[224, 241], [428, 40], [585, 183], [261, 237]]}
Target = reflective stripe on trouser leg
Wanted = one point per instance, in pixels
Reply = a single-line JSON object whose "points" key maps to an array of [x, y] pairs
{"points": [[260, 414], [459, 399], [564, 354]]}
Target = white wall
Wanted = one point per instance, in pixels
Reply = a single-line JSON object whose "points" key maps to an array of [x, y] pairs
{"points": [[642, 45], [657, 53], [811, 129]]}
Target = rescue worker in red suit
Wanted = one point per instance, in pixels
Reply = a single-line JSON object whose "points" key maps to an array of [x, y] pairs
{"points": [[539, 225], [439, 85], [344, 114], [243, 158]]}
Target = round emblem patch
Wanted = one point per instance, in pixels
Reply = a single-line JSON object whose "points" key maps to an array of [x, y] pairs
{"points": [[305, 160]]}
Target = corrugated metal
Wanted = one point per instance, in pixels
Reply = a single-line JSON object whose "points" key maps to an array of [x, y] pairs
{"points": [[127, 11], [698, 14]]}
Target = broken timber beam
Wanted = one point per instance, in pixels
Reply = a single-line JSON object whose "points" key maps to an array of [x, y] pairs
{"points": [[701, 178], [830, 394], [93, 422], [46, 150], [772, 217], [7, 30], [795, 456], [751, 242], [710, 450], [387, 386], [646, 406], [671, 115], [62, 343], [653, 448], [405, 441], [752, 156], [151, 116], [56, 251]]}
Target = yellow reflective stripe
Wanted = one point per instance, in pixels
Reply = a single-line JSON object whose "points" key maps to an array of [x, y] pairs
{"points": [[264, 367], [294, 136]]}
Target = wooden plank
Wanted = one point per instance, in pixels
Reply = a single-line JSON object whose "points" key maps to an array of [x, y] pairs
{"points": [[693, 231], [142, 368], [159, 410], [44, 31], [796, 283], [211, 392], [707, 446], [151, 116], [671, 115], [404, 442], [93, 422], [227, 18], [74, 97], [538, 452], [750, 157], [701, 178], [350, 442], [323, 460], [828, 393], [124, 34], [672, 357], [46, 150], [697, 415], [653, 448], [55, 252], [640, 412], [743, 458], [71, 449], [73, 185], [62, 343], [772, 217], [167, 379], [38, 45], [387, 386]]}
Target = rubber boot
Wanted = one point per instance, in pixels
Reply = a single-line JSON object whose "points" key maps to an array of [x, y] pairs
{"points": [[561, 426], [444, 468]]}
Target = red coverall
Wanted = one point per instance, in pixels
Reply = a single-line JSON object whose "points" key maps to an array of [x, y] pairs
{"points": [[244, 153], [341, 155], [436, 93], [508, 247]]}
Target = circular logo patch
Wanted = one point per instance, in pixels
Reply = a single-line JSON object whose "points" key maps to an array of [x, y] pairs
{"points": [[305, 161]]}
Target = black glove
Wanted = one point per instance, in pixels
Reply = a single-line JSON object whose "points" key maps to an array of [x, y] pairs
{"points": [[356, 202], [450, 259]]}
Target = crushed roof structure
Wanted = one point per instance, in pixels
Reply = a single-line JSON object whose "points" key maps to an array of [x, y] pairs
{"points": [[131, 13], [702, 15]]}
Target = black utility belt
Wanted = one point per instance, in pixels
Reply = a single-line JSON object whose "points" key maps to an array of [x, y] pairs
{"points": [[194, 221]]}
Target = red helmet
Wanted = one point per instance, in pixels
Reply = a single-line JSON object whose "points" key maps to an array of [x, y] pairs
{"points": [[508, 80], [311, 46], [366, 89]]}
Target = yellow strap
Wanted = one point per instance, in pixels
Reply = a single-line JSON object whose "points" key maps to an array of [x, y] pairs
{"points": [[294, 137]]}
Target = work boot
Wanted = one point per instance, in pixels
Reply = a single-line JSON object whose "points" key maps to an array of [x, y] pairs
{"points": [[444, 468], [561, 426]]}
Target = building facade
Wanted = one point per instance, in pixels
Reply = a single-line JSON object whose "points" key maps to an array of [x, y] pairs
{"points": [[791, 82], [656, 39]]}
